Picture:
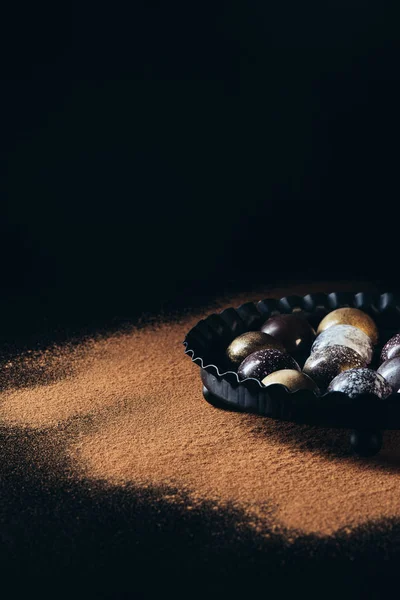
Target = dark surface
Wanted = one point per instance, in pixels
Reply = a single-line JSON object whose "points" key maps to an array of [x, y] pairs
{"points": [[162, 153]]}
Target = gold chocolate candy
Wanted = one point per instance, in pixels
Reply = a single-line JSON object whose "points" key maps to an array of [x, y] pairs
{"points": [[293, 380], [250, 342], [350, 316]]}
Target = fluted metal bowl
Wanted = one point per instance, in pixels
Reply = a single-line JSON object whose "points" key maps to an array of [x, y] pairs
{"points": [[206, 342]]}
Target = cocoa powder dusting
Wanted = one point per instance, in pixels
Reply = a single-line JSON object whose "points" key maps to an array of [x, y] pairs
{"points": [[149, 426]]}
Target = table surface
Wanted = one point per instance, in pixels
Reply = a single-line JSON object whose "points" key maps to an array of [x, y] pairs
{"points": [[118, 479]]}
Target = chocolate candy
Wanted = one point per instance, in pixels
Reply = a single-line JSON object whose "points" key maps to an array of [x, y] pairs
{"points": [[345, 335], [361, 381], [263, 362], [325, 364], [350, 316], [292, 379], [391, 348], [390, 370], [249, 342], [293, 331]]}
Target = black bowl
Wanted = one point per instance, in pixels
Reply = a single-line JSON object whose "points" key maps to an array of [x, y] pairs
{"points": [[366, 414]]}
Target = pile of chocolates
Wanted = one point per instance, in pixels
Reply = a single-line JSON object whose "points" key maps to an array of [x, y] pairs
{"points": [[336, 358]]}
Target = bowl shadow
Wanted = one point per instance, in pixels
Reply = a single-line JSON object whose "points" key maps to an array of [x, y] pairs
{"points": [[332, 443]]}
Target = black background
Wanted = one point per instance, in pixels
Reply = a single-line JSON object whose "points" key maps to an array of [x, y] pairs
{"points": [[166, 152]]}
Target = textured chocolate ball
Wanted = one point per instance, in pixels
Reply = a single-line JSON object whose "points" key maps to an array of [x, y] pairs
{"points": [[293, 380], [361, 381], [350, 316], [390, 370], [293, 331], [250, 342], [345, 335], [325, 364], [263, 362], [391, 348]]}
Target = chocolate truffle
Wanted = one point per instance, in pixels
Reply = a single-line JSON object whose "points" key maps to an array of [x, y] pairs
{"points": [[345, 335], [293, 331], [391, 348], [249, 342], [325, 364], [390, 370], [263, 362], [360, 381], [350, 316], [292, 379]]}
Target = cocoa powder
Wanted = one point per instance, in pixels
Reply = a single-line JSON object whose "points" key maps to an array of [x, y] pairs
{"points": [[150, 426]]}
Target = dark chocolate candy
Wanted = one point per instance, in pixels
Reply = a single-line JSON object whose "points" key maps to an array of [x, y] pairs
{"points": [[391, 348], [390, 370], [323, 365], [293, 331], [361, 381], [263, 362], [345, 335], [249, 342]]}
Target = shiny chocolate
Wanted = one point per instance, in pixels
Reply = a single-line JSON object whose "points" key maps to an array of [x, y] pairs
{"points": [[390, 370], [293, 380], [391, 348], [325, 364], [361, 381], [263, 362], [345, 335], [350, 316], [293, 331], [249, 342]]}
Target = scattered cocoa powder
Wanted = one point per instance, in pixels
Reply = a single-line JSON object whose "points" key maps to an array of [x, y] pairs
{"points": [[150, 426]]}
